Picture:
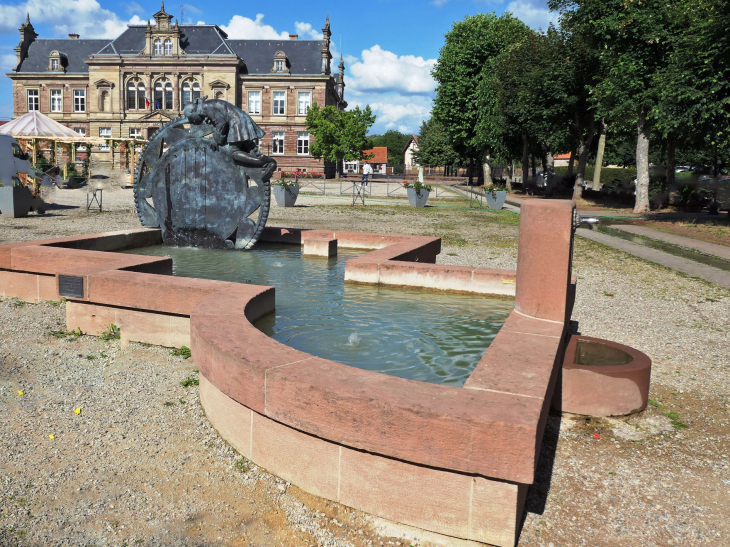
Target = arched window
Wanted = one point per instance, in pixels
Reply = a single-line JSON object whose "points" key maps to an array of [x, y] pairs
{"points": [[163, 95], [219, 95], [168, 47], [104, 101], [158, 47], [190, 91], [135, 95]]}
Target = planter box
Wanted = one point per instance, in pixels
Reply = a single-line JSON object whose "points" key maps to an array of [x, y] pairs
{"points": [[496, 200], [285, 197], [15, 201], [417, 200]]}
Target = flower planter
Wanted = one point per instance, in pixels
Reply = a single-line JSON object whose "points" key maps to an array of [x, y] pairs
{"points": [[286, 197], [15, 201], [496, 200], [418, 199]]}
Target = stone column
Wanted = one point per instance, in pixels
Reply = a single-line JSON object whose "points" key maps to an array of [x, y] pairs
{"points": [[176, 91]]}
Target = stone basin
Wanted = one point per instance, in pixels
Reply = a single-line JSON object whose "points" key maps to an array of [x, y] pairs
{"points": [[603, 378]]}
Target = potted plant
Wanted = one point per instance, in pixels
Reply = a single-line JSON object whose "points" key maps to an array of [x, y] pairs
{"points": [[495, 194], [285, 192], [417, 193]]}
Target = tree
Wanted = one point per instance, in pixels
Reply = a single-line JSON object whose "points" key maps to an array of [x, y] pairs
{"points": [[464, 61], [339, 135], [632, 41], [395, 141], [434, 146]]}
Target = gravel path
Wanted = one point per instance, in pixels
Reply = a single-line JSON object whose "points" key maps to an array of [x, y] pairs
{"points": [[713, 249], [131, 469]]}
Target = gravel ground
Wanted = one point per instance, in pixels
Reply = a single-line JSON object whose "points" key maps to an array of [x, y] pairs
{"points": [[132, 469]]}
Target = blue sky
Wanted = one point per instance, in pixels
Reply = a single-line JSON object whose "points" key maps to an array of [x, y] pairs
{"points": [[389, 46]]}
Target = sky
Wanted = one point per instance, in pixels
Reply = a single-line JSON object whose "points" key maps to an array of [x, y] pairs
{"points": [[389, 46]]}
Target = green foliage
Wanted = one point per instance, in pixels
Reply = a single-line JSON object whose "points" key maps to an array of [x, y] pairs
{"points": [[183, 352], [190, 381], [435, 146], [395, 141], [17, 303], [71, 335], [418, 186], [339, 135], [286, 183], [465, 60], [242, 465], [112, 332]]}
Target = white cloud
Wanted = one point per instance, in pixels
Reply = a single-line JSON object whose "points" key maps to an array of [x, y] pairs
{"points": [[243, 28], [85, 17], [393, 110], [305, 30], [8, 61], [200, 23], [384, 71], [533, 16]]}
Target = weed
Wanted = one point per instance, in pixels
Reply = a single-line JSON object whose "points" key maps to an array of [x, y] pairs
{"points": [[452, 254], [56, 303], [190, 381], [22, 501], [612, 472], [111, 333], [103, 355], [182, 401], [21, 533], [139, 541], [90, 357], [242, 465], [169, 403], [654, 403], [676, 422], [72, 334], [17, 303], [608, 293], [183, 352]]}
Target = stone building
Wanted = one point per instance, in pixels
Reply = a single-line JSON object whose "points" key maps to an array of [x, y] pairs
{"points": [[129, 87]]}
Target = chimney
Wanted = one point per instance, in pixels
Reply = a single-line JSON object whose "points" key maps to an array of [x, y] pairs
{"points": [[293, 37], [73, 36]]}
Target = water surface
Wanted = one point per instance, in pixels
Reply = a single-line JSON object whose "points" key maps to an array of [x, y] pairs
{"points": [[421, 335]]}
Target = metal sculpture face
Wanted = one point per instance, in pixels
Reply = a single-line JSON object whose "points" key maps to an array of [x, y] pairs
{"points": [[201, 191]]}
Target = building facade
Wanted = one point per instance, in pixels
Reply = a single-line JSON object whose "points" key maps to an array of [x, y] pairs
{"points": [[408, 162], [129, 87]]}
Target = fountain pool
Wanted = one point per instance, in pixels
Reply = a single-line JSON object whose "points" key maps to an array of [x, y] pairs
{"points": [[415, 334]]}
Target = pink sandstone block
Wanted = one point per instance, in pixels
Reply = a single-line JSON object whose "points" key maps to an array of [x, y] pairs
{"points": [[19, 285], [496, 511], [430, 276], [319, 246], [90, 318], [466, 430], [232, 420], [497, 282]]}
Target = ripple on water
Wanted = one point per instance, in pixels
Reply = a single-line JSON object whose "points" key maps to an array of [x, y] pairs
{"points": [[427, 336]]}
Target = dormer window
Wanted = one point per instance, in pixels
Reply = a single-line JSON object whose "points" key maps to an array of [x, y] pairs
{"points": [[168, 47], [55, 64], [56, 61], [281, 65], [158, 47]]}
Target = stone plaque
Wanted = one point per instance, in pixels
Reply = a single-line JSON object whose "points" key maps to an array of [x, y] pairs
{"points": [[71, 286]]}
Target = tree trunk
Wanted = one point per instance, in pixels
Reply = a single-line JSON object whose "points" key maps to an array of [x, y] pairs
{"points": [[471, 173], [549, 167], [571, 162], [534, 166], [671, 161], [584, 145], [643, 129], [525, 161], [487, 170], [599, 158]]}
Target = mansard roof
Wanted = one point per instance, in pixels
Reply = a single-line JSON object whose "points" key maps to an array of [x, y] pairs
{"points": [[194, 40], [74, 50], [304, 56]]}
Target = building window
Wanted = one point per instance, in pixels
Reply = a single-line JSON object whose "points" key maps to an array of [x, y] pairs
{"points": [[54, 64], [168, 47], [279, 102], [305, 101], [219, 95], [80, 131], [191, 91], [105, 133], [278, 143], [302, 143], [79, 100], [279, 65], [56, 101], [163, 95], [158, 47], [135, 96], [254, 102], [135, 133], [33, 102]]}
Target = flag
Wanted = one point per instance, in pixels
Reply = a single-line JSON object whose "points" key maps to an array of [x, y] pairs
{"points": [[146, 102], [157, 105]]}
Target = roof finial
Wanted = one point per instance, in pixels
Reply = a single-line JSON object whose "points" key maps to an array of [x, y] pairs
{"points": [[327, 23], [162, 7], [27, 18]]}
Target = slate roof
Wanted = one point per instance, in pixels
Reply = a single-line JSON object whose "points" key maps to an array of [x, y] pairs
{"points": [[75, 51], [194, 40], [304, 56]]}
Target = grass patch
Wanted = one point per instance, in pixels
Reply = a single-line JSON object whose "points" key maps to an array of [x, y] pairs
{"points": [[242, 465], [183, 352], [676, 422], [71, 335], [17, 303], [169, 403], [112, 332], [654, 403], [190, 381]]}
